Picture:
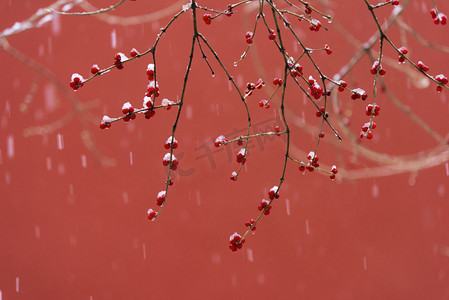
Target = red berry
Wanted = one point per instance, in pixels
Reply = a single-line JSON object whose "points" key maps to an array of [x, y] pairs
{"points": [[443, 18], [277, 81], [308, 10], [151, 214], [321, 135], [236, 241], [327, 49], [259, 83], [134, 52], [334, 169], [272, 35], [94, 70], [160, 198], [207, 18], [315, 25], [277, 129], [302, 167], [273, 192], [234, 176], [441, 78], [395, 2], [105, 122], [149, 114], [219, 140], [150, 72], [76, 81], [422, 66], [264, 103], [433, 13], [249, 40], [403, 50], [342, 85], [127, 108], [241, 156], [169, 142]]}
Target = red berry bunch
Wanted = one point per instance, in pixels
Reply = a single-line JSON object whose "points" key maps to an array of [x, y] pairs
{"points": [[308, 10], [265, 204], [147, 102], [422, 66], [207, 18], [150, 72], [273, 193], [153, 88], [341, 85], [235, 242], [334, 171], [359, 93], [151, 214], [372, 110], [366, 130], [167, 103], [315, 89], [403, 51], [443, 81], [272, 35], [220, 140], [249, 37], [250, 223], [296, 70], [277, 81], [76, 81], [118, 59], [264, 103], [171, 141], [241, 156], [322, 112], [377, 68], [315, 25], [127, 110], [313, 161], [174, 161], [160, 199], [438, 18], [134, 52], [94, 70], [233, 176], [395, 2], [106, 122]]}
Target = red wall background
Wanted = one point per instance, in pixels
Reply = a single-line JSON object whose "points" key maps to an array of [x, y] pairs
{"points": [[73, 210]]}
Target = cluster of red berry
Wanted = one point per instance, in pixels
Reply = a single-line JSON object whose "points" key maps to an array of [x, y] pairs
{"points": [[438, 18], [377, 68], [371, 111], [236, 241]]}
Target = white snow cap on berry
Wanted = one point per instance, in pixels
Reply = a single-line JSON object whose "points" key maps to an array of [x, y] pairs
{"points": [[147, 100], [161, 194], [107, 119], [76, 75], [127, 106]]}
